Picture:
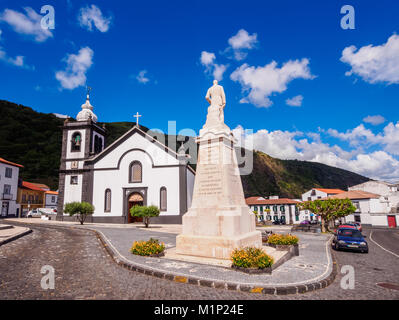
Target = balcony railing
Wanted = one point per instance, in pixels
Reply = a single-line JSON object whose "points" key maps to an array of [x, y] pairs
{"points": [[7, 196]]}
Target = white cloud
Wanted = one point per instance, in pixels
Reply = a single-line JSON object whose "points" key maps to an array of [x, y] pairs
{"points": [[262, 82], [18, 61], [388, 140], [28, 24], [374, 63], [92, 15], [377, 164], [77, 65], [141, 77], [207, 59], [240, 43], [295, 101], [374, 120]]}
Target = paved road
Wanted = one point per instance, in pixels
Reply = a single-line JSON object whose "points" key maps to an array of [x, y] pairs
{"points": [[84, 270]]}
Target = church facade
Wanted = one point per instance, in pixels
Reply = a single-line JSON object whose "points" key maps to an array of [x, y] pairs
{"points": [[136, 169]]}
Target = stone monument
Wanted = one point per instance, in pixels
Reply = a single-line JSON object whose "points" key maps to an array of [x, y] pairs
{"points": [[219, 219]]}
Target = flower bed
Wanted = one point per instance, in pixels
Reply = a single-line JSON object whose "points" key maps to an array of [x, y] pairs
{"points": [[251, 260], [284, 242], [151, 248], [282, 239]]}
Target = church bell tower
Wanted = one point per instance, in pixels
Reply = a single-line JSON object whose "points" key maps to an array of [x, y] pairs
{"points": [[82, 140]]}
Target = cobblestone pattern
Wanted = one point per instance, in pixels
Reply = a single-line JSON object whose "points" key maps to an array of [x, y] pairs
{"points": [[84, 270]]}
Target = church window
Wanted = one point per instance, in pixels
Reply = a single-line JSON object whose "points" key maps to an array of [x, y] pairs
{"points": [[163, 199], [98, 144], [74, 179], [76, 142], [136, 172], [107, 204]]}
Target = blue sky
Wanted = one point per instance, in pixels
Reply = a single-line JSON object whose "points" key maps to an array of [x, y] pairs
{"points": [[159, 58]]}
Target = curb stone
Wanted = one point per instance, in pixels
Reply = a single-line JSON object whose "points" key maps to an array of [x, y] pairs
{"points": [[17, 236], [270, 290]]}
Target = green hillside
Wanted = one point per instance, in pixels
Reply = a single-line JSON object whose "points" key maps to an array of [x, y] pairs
{"points": [[33, 139]]}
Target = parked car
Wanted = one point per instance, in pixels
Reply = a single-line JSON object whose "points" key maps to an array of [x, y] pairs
{"points": [[305, 222], [34, 213], [356, 225], [47, 211], [349, 238]]}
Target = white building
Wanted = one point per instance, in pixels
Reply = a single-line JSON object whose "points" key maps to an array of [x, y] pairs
{"points": [[319, 193], [389, 191], [9, 175], [275, 209], [387, 213], [372, 209], [136, 169], [51, 199]]}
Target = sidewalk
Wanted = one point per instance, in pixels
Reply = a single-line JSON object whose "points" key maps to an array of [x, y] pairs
{"points": [[312, 269], [10, 233]]}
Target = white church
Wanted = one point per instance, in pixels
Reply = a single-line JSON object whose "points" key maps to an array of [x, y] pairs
{"points": [[136, 169]]}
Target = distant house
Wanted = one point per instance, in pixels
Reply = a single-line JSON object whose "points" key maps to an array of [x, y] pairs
{"points": [[319, 193], [387, 214], [9, 175], [275, 209], [30, 196], [51, 199], [388, 190]]}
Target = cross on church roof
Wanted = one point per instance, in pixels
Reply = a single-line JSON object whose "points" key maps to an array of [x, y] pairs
{"points": [[137, 116]]}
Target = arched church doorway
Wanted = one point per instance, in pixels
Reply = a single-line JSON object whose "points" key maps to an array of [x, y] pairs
{"points": [[135, 199]]}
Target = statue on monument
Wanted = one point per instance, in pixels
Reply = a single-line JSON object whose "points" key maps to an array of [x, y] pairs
{"points": [[215, 117], [216, 97]]}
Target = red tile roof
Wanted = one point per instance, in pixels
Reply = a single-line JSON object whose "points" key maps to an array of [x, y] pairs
{"points": [[330, 191], [355, 195], [31, 186], [262, 201], [11, 163], [52, 192]]}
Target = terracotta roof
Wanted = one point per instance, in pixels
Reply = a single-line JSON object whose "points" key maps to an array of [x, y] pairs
{"points": [[263, 201], [52, 192], [11, 163], [31, 186], [41, 185], [330, 191], [354, 195]]}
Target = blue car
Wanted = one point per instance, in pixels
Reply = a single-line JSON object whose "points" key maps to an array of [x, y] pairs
{"points": [[350, 239]]}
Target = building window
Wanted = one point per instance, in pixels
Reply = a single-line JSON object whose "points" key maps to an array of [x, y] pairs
{"points": [[274, 208], [136, 172], [296, 218], [7, 189], [107, 204], [163, 199], [98, 144], [8, 173], [282, 208], [74, 179], [53, 199], [24, 198], [76, 142]]}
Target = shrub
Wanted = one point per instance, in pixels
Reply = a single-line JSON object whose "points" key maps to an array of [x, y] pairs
{"points": [[147, 248], [282, 239], [145, 212], [80, 209], [251, 257]]}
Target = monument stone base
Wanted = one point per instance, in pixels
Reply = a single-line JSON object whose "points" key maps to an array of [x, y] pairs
{"points": [[218, 247]]}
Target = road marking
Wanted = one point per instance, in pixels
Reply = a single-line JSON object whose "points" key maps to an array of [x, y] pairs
{"points": [[397, 256]]}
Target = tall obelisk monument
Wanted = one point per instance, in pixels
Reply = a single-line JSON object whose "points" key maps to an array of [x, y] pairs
{"points": [[219, 219]]}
